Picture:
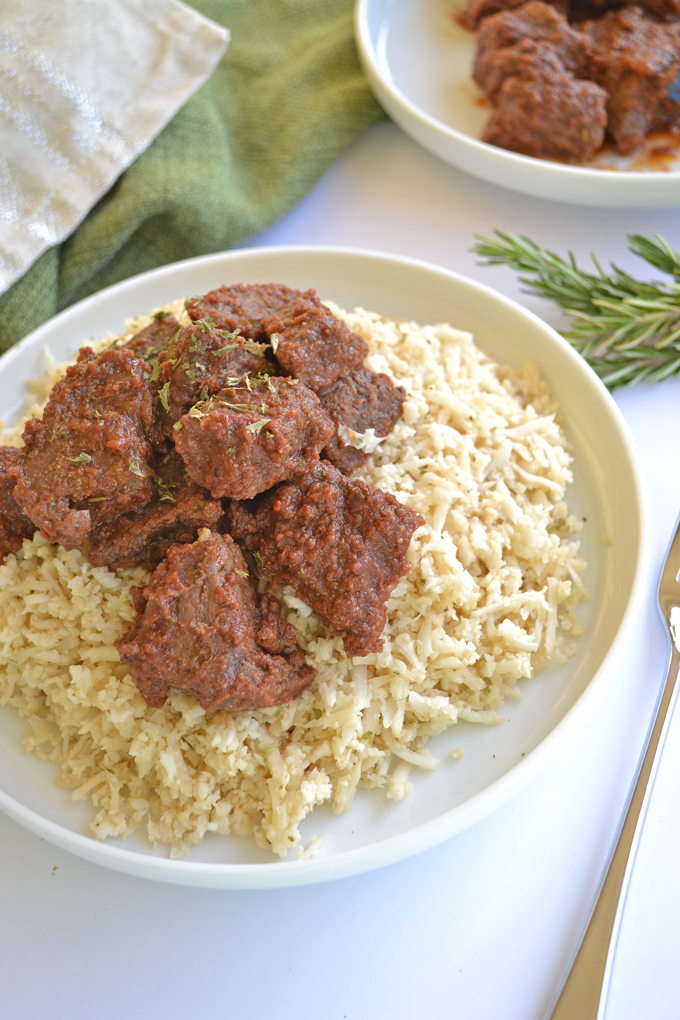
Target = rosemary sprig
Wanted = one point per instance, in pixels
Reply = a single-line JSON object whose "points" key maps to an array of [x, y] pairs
{"points": [[625, 329]]}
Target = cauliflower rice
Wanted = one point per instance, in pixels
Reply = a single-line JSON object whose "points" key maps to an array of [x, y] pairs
{"points": [[488, 601]]}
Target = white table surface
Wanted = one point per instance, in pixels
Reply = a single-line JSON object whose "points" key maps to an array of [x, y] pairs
{"points": [[481, 927]]}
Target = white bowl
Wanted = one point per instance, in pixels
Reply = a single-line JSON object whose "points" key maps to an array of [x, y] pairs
{"points": [[498, 760], [419, 64]]}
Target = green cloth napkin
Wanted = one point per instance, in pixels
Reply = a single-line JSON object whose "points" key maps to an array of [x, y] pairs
{"points": [[286, 99]]}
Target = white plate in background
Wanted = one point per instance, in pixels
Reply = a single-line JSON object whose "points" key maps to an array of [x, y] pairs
{"points": [[419, 64], [497, 761]]}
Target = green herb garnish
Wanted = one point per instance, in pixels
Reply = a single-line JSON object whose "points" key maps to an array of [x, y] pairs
{"points": [[135, 469], [163, 396], [82, 458], [626, 330], [257, 426], [163, 489]]}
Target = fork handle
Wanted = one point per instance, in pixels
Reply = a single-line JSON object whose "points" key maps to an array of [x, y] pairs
{"points": [[583, 991]]}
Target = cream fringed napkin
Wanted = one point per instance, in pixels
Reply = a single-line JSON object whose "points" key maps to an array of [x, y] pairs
{"points": [[85, 85]]}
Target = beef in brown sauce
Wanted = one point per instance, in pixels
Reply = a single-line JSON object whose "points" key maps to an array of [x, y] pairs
{"points": [[637, 61], [241, 306], [627, 62], [340, 544], [14, 524], [478, 10], [548, 116], [154, 338], [525, 59], [178, 508], [248, 438], [200, 628], [199, 363], [311, 344], [539, 22], [359, 401], [87, 460]]}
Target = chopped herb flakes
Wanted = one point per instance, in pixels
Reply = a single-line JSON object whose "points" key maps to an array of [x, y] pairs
{"points": [[96, 414], [82, 458], [135, 469], [257, 426], [258, 559], [163, 396], [236, 407], [242, 573], [163, 489]]}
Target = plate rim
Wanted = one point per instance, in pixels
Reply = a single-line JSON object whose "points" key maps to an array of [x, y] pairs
{"points": [[284, 873]]}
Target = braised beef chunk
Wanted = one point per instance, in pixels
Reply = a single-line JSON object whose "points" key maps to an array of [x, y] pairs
{"points": [[248, 438], [177, 510], [361, 400], [87, 460], [540, 22], [154, 338], [200, 629], [199, 363], [312, 344], [526, 59], [471, 16], [667, 10], [241, 306], [637, 61], [549, 117], [340, 544], [14, 525]]}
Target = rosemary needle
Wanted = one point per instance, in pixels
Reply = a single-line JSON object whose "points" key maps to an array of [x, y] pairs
{"points": [[626, 330]]}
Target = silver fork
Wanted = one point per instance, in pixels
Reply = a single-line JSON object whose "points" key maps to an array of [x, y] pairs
{"points": [[583, 992]]}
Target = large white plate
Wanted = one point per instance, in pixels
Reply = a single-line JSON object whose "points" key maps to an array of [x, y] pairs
{"points": [[419, 63], [498, 760]]}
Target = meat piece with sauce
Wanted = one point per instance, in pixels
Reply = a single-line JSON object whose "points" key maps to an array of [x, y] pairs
{"points": [[241, 306], [476, 10], [176, 512], [548, 116], [340, 544], [14, 524], [249, 438], [526, 59], [536, 21], [154, 338], [359, 401], [200, 628], [663, 10], [637, 61], [313, 345], [87, 460], [201, 361]]}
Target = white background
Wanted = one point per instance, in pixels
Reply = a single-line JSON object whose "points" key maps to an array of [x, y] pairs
{"points": [[481, 927]]}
